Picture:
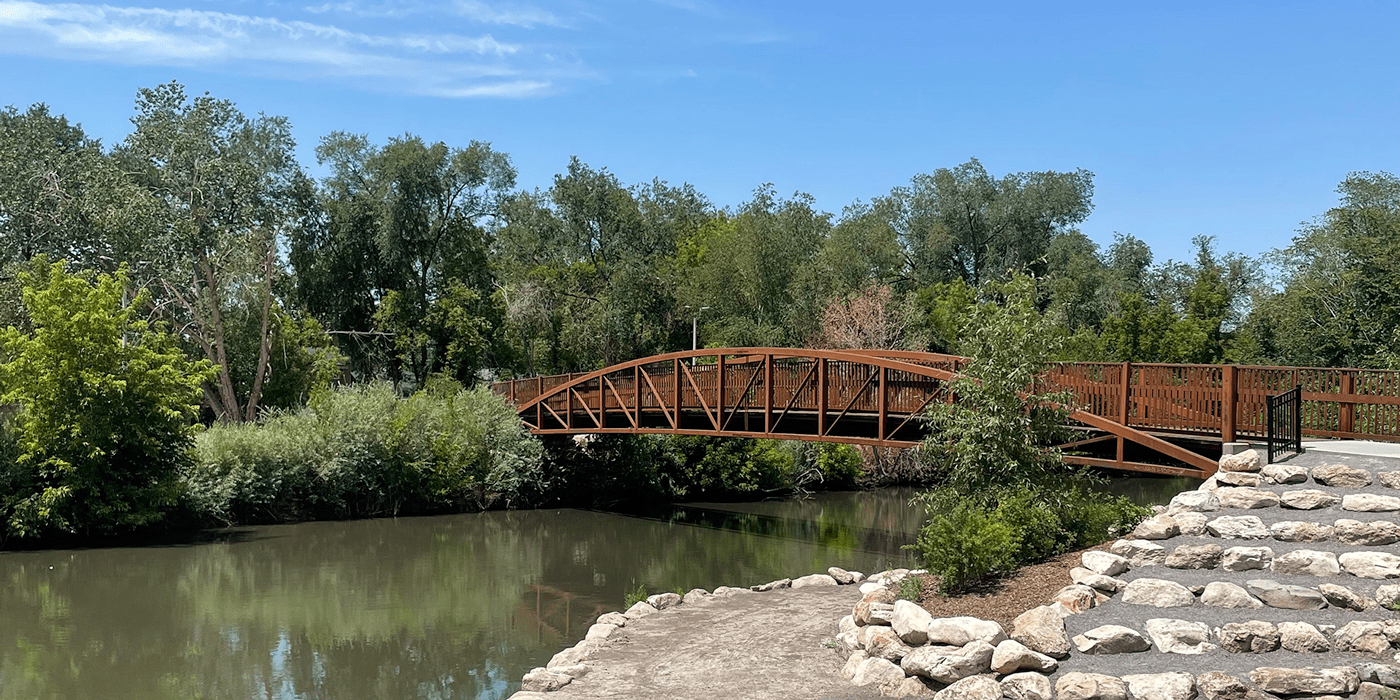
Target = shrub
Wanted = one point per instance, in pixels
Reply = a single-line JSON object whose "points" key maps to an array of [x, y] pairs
{"points": [[363, 451], [106, 406], [1038, 529], [840, 464], [965, 545], [1094, 516]]}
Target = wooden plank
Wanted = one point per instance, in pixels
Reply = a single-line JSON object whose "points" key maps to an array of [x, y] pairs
{"points": [[1228, 397], [1124, 393], [767, 393], [620, 403], [719, 391], [855, 397], [883, 406], [753, 377], [1135, 467]]}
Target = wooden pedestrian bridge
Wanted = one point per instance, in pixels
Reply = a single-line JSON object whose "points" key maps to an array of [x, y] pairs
{"points": [[1156, 418]]}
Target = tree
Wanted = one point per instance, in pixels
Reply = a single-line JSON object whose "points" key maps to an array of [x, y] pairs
{"points": [[1006, 496], [229, 190], [598, 261], [994, 439], [749, 268], [1184, 312], [413, 219], [963, 222], [1339, 304], [871, 318], [1078, 284], [107, 404], [62, 197]]}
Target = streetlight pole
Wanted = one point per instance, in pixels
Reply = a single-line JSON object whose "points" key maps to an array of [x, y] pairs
{"points": [[695, 328]]}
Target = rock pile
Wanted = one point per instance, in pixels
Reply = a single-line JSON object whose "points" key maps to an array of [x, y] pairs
{"points": [[1295, 597]]}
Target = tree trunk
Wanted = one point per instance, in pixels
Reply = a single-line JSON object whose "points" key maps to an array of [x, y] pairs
{"points": [[265, 344], [226, 392]]}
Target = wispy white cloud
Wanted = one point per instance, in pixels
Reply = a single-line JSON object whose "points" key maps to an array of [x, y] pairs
{"points": [[512, 14], [517, 15], [442, 64]]}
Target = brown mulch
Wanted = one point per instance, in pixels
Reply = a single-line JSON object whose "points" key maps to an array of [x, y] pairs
{"points": [[1027, 587]]}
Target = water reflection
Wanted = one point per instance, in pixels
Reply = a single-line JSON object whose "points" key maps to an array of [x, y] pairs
{"points": [[441, 607]]}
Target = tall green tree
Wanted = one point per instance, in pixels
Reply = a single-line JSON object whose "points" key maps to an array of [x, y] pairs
{"points": [[1339, 301], [62, 197], [1185, 312], [963, 222], [229, 191], [416, 221], [590, 267], [106, 406], [749, 269]]}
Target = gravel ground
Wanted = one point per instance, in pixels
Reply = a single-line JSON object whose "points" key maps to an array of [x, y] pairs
{"points": [[1135, 616]]}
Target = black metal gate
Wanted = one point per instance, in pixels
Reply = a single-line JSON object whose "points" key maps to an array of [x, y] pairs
{"points": [[1286, 424]]}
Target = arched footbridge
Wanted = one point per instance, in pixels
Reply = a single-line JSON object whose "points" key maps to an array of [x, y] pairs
{"points": [[1155, 418]]}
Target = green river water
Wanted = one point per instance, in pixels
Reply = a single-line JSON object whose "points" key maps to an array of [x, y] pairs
{"points": [[443, 607]]}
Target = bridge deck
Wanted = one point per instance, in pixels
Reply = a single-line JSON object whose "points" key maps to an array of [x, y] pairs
{"points": [[874, 397]]}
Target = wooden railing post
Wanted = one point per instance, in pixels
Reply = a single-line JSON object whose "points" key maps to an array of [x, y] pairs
{"points": [[1123, 393], [1346, 411], [676, 377], [821, 396], [637, 393], [768, 393], [1228, 395], [884, 404], [719, 391]]}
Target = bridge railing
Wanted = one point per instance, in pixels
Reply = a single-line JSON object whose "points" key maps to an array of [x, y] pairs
{"points": [[1230, 400]]}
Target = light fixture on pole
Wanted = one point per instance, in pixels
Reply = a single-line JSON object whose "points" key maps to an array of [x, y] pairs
{"points": [[695, 327]]}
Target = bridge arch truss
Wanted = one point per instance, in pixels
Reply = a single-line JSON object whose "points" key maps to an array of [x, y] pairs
{"points": [[864, 397]]}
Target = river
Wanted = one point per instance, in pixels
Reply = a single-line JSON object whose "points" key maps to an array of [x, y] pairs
{"points": [[440, 607]]}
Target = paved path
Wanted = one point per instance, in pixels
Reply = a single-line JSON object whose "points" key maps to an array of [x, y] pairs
{"points": [[753, 645]]}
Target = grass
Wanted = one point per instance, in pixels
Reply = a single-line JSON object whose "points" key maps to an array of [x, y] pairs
{"points": [[634, 597]]}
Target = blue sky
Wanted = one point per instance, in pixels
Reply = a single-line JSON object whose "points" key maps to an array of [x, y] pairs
{"points": [[1229, 119]]}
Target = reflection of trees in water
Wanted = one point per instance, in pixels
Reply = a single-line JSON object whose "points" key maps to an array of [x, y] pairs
{"points": [[454, 606]]}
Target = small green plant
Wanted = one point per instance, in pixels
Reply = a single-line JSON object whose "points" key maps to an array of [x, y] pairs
{"points": [[679, 590], [965, 545], [634, 597], [910, 588]]}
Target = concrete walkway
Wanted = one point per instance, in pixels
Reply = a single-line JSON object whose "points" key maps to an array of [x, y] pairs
{"points": [[1360, 448], [763, 646]]}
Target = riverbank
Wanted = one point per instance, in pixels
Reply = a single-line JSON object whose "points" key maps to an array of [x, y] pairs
{"points": [[774, 645]]}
